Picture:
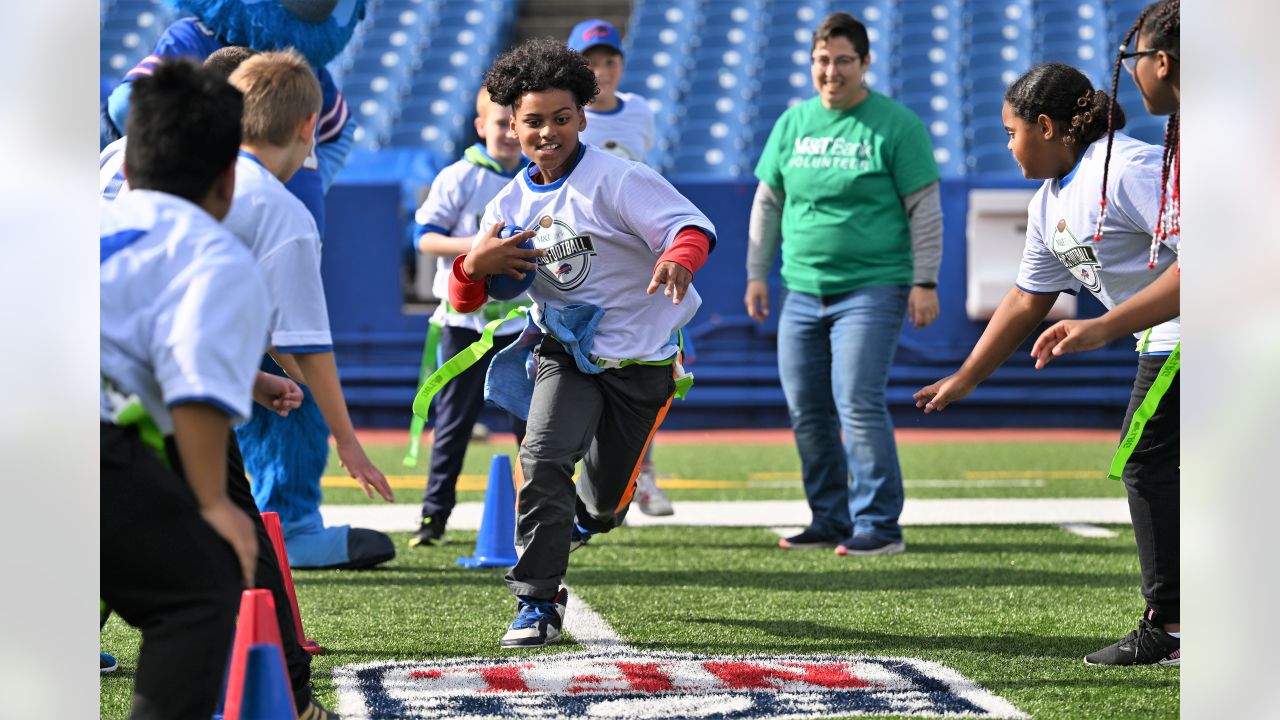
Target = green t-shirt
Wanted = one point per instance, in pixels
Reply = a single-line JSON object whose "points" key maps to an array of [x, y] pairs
{"points": [[844, 173]]}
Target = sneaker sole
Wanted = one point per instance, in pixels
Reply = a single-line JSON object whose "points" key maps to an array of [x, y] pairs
{"points": [[804, 546], [890, 549], [532, 642], [660, 512]]}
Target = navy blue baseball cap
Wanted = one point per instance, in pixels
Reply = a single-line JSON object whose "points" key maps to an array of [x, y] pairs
{"points": [[591, 33]]}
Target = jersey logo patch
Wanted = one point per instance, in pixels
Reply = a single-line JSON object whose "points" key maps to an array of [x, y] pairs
{"points": [[568, 259], [1079, 258]]}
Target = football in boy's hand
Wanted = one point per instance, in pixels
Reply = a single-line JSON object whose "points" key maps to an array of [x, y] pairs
{"points": [[505, 287]]}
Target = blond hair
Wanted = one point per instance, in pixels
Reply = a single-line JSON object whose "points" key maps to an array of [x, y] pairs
{"points": [[280, 92]]}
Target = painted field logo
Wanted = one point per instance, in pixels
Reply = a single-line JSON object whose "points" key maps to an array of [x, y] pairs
{"points": [[662, 685]]}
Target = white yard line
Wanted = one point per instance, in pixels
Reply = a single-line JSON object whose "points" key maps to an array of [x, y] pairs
{"points": [[778, 513], [1087, 530], [589, 629]]}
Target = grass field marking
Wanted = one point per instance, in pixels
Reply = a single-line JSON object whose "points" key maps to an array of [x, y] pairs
{"points": [[1041, 474], [1088, 531], [590, 630]]}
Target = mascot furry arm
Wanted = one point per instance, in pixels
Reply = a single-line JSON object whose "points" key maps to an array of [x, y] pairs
{"points": [[319, 29]]}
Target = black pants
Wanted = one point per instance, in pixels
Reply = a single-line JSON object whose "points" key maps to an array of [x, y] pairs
{"points": [[455, 409], [1151, 477], [606, 420], [166, 572], [267, 575]]}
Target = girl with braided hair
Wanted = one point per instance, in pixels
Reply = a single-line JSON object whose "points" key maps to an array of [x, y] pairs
{"points": [[1063, 131], [1148, 455]]}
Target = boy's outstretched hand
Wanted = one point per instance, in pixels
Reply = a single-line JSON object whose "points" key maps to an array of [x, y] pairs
{"points": [[936, 397], [1068, 336], [357, 464], [495, 255], [675, 276]]}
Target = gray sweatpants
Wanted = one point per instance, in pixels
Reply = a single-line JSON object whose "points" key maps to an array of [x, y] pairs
{"points": [[606, 420]]}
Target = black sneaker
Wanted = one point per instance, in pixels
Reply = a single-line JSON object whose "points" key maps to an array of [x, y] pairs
{"points": [[866, 544], [429, 532], [1148, 645], [808, 539]]}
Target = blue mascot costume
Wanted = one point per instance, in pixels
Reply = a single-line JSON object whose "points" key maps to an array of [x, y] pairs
{"points": [[286, 457]]}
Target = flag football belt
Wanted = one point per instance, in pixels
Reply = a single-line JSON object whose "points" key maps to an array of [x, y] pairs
{"points": [[492, 310], [128, 411], [1155, 394], [471, 354]]}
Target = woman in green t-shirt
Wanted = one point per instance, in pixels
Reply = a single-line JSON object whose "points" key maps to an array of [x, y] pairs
{"points": [[849, 189]]}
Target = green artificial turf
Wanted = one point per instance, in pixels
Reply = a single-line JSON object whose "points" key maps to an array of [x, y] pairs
{"points": [[1012, 607], [1058, 470]]}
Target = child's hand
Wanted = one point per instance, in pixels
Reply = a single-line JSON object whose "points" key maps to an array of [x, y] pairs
{"points": [[494, 255], [236, 528], [675, 276], [757, 300], [277, 394], [1069, 336], [936, 397], [352, 457]]}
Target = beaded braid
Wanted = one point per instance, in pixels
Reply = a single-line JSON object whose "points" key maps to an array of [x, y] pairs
{"points": [[1168, 223], [1111, 112]]}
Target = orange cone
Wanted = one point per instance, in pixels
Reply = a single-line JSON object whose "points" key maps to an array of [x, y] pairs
{"points": [[274, 531], [257, 625]]}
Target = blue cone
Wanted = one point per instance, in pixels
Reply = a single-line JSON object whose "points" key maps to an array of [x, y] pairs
{"points": [[496, 544], [267, 692]]}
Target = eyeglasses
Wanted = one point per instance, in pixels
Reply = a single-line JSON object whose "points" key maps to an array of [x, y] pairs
{"points": [[843, 62], [1130, 59]]}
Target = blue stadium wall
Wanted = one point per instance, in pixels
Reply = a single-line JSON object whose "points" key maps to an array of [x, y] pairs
{"points": [[379, 346]]}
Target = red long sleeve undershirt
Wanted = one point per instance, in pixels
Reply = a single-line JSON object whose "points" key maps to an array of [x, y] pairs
{"points": [[689, 249]]}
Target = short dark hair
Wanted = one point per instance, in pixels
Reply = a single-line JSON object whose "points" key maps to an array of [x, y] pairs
{"points": [[224, 61], [537, 65], [1067, 97], [183, 129], [841, 24]]}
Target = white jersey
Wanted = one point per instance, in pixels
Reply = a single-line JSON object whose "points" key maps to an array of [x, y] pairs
{"points": [[281, 233], [604, 225], [625, 131], [184, 310], [1060, 253], [453, 208]]}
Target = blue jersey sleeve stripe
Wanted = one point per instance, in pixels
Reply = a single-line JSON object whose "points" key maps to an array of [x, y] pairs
{"points": [[304, 349], [205, 400], [114, 243]]}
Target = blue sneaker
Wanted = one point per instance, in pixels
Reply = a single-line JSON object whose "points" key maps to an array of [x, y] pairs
{"points": [[578, 537], [867, 544], [537, 623], [107, 663]]}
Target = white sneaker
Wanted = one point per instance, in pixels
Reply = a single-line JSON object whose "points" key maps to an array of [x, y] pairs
{"points": [[651, 499]]}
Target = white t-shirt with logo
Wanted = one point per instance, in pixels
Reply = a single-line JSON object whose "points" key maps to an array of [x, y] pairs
{"points": [[626, 131], [281, 233], [453, 208], [1060, 254], [183, 308], [604, 226]]}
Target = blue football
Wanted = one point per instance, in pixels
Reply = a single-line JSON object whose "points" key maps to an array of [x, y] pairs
{"points": [[505, 287]]}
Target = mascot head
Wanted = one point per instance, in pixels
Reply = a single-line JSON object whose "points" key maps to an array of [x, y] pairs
{"points": [[319, 29]]}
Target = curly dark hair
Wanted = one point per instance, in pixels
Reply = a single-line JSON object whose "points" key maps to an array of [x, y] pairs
{"points": [[537, 65], [1067, 97]]}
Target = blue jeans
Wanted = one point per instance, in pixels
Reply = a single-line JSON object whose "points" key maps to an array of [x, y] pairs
{"points": [[834, 355]]}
